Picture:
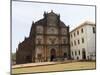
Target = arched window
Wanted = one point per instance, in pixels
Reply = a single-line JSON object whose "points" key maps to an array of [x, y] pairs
{"points": [[72, 53], [64, 41], [77, 57], [39, 57], [82, 30], [75, 53], [39, 41], [65, 55], [79, 52], [94, 30], [82, 40]]}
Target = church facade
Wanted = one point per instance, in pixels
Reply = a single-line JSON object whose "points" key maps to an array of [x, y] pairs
{"points": [[49, 40]]}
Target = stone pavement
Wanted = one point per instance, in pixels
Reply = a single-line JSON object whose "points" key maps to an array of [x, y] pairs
{"points": [[33, 64], [39, 64]]}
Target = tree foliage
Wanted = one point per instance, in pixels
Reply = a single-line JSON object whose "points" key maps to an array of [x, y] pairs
{"points": [[13, 56]]}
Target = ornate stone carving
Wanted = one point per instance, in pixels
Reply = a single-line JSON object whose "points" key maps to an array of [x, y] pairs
{"points": [[44, 39]]}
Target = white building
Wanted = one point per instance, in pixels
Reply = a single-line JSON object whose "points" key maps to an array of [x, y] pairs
{"points": [[83, 41]]}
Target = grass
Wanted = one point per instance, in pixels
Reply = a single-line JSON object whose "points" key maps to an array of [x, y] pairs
{"points": [[56, 67]]}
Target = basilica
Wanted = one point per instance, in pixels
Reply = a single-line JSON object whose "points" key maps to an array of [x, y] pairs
{"points": [[48, 41]]}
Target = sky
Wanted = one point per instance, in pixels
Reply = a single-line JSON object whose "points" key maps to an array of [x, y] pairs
{"points": [[24, 13]]}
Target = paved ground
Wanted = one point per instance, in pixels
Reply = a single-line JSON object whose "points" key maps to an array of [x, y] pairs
{"points": [[55, 67], [33, 64], [40, 64]]}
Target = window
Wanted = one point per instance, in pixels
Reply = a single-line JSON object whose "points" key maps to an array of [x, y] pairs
{"points": [[64, 41], [39, 29], [79, 52], [65, 55], [72, 53], [71, 35], [39, 56], [94, 30], [39, 41], [82, 40], [77, 32], [77, 58], [74, 34], [78, 41], [52, 42], [74, 42], [82, 30], [52, 29], [75, 53]]}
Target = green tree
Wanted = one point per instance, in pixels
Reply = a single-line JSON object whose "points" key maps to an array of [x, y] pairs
{"points": [[13, 56]]}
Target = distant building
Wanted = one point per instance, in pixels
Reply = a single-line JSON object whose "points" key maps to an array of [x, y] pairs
{"points": [[49, 40], [83, 41]]}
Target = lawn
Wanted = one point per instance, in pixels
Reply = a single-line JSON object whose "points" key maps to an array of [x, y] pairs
{"points": [[56, 67]]}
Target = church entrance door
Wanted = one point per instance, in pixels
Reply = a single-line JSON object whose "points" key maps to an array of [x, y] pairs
{"points": [[53, 55]]}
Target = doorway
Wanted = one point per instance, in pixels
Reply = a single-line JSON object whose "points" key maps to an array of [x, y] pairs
{"points": [[28, 59], [53, 55], [83, 54]]}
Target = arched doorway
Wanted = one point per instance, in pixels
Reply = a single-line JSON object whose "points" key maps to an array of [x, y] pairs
{"points": [[28, 59], [65, 55], [83, 54], [53, 55]]}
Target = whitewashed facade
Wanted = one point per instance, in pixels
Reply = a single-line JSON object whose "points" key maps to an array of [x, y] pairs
{"points": [[82, 41]]}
